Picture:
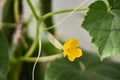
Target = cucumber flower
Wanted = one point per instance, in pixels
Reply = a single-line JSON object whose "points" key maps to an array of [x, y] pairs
{"points": [[71, 49]]}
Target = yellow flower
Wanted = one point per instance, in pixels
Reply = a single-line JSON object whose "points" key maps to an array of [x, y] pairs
{"points": [[71, 49]]}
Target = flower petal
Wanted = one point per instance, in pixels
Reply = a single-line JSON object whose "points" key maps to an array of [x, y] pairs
{"points": [[76, 52], [74, 43], [66, 46], [71, 43], [71, 58]]}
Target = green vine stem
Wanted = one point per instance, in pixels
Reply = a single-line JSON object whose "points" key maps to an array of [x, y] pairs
{"points": [[16, 9], [10, 25], [32, 9], [62, 11], [35, 42], [42, 59], [59, 12], [33, 59]]}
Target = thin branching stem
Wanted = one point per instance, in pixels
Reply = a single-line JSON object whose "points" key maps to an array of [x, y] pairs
{"points": [[62, 11], [42, 59], [32, 9]]}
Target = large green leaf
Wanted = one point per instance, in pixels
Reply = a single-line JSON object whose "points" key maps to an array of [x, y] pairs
{"points": [[103, 24], [3, 57], [88, 67]]}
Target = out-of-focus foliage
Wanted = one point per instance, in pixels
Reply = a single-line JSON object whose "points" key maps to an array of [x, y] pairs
{"points": [[88, 67], [8, 17], [3, 57]]}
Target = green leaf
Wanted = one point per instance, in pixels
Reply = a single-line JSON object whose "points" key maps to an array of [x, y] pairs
{"points": [[103, 24], [88, 67], [3, 57]]}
